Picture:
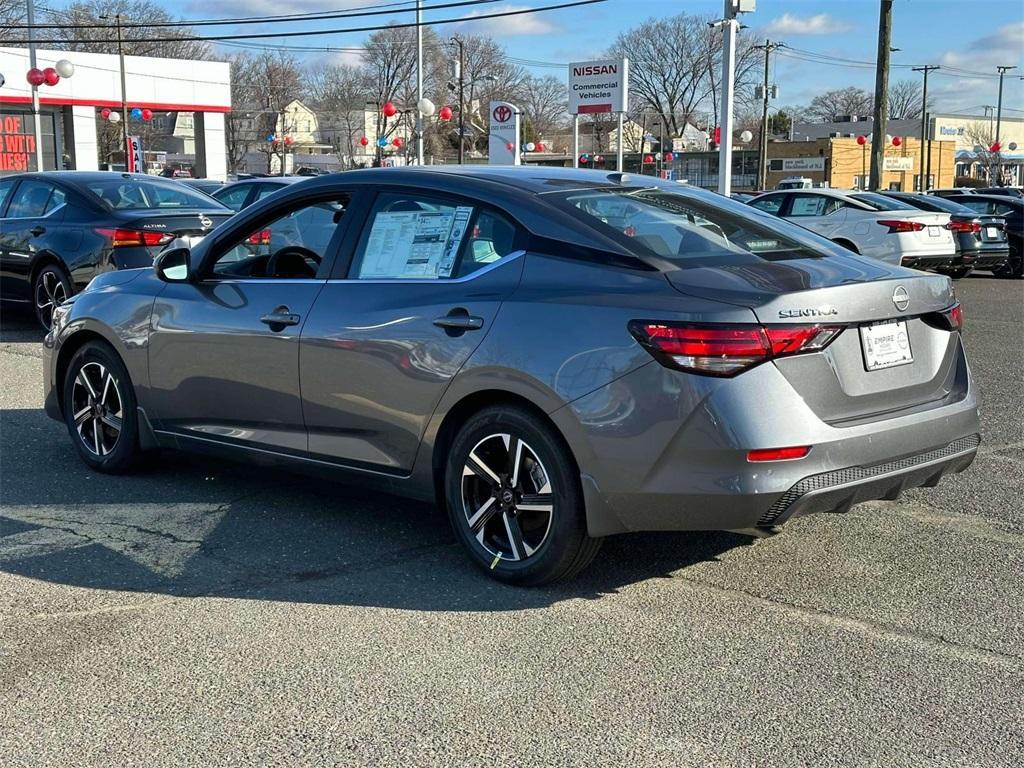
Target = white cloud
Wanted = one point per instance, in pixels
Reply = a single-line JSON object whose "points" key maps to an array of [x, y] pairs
{"points": [[350, 58], [1003, 46], [819, 24], [982, 55], [505, 26]]}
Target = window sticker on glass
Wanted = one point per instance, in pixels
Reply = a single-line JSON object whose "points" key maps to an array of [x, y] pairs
{"points": [[414, 244]]}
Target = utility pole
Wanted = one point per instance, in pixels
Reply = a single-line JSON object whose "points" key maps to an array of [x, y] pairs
{"points": [[881, 93], [762, 154], [36, 116], [419, 81], [462, 98], [924, 127], [999, 117]]}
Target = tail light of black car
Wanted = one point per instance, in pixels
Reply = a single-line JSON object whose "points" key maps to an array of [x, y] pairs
{"points": [[726, 350], [964, 226], [128, 238]]}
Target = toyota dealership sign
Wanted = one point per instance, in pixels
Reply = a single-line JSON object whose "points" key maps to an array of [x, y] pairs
{"points": [[503, 143], [598, 86]]}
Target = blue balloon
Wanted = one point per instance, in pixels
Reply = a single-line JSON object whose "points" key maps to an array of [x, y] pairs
{"points": [[136, 114], [270, 137], [382, 142]]}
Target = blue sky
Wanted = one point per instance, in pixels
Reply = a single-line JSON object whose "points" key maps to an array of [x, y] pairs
{"points": [[973, 35]]}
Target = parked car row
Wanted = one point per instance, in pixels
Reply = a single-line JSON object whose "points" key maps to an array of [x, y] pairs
{"points": [[949, 233]]}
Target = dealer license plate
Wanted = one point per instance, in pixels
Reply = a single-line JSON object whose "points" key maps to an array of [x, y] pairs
{"points": [[885, 345]]}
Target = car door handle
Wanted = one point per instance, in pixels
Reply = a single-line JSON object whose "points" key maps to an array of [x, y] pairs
{"points": [[280, 318], [37, 230], [460, 322]]}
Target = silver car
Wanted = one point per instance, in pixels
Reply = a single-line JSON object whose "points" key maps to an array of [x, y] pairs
{"points": [[552, 355]]}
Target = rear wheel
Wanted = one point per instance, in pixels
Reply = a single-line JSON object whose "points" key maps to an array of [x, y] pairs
{"points": [[50, 288], [958, 273], [1014, 266], [99, 409], [514, 498]]}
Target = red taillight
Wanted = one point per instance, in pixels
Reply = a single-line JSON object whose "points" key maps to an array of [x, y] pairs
{"points": [[779, 454], [955, 317], [124, 238], [260, 238], [725, 350], [895, 225], [964, 226]]}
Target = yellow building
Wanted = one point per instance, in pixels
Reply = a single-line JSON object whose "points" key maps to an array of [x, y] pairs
{"points": [[842, 163]]}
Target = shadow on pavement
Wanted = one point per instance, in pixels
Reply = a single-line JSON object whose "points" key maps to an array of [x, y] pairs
{"points": [[186, 525]]}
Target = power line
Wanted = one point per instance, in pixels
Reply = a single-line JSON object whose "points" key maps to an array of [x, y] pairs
{"points": [[314, 33], [389, 8]]}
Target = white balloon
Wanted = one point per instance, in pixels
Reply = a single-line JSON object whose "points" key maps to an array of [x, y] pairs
{"points": [[115, 117], [530, 146], [657, 155], [426, 107], [888, 139], [64, 68], [746, 136]]}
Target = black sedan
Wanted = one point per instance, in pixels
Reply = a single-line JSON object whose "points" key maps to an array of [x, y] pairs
{"points": [[981, 241], [1012, 210], [242, 194], [59, 229]]}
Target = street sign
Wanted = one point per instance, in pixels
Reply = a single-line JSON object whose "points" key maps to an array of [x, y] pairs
{"points": [[503, 141], [599, 86]]}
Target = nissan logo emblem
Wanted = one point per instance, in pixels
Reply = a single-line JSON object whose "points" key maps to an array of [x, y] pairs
{"points": [[901, 298], [205, 221]]}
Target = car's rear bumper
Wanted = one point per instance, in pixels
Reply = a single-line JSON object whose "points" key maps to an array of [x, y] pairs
{"points": [[930, 260], [657, 453], [989, 258]]}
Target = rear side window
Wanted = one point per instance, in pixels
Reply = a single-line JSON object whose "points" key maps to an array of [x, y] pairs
{"points": [[31, 199], [263, 190], [135, 194], [234, 197], [687, 230], [881, 202], [409, 237], [6, 185], [814, 205]]}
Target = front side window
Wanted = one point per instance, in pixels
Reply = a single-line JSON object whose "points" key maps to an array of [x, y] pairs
{"points": [[31, 199], [410, 237], [771, 204], [6, 185], [292, 246], [685, 229], [133, 194]]}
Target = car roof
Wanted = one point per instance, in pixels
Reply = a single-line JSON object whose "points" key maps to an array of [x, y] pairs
{"points": [[997, 198]]}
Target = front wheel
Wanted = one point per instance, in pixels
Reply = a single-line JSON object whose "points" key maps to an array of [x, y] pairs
{"points": [[514, 498], [99, 409]]}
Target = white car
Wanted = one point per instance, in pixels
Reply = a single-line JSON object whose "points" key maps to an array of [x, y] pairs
{"points": [[873, 225]]}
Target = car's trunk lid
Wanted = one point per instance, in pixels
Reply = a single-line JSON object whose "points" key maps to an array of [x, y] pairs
{"points": [[854, 293], [191, 223]]}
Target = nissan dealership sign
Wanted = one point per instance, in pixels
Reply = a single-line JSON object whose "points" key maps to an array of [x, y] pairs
{"points": [[598, 86]]}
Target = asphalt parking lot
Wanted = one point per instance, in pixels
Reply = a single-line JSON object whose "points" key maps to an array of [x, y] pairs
{"points": [[209, 614]]}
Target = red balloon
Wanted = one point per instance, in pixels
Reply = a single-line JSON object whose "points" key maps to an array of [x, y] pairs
{"points": [[510, 146], [599, 158], [50, 76], [862, 140], [105, 113], [668, 157], [389, 109], [364, 141], [445, 113], [584, 159], [147, 114], [540, 147], [996, 146], [648, 159], [35, 77], [288, 139], [397, 141], [896, 141]]}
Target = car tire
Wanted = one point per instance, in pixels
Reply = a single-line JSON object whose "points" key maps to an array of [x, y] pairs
{"points": [[525, 524], [100, 410], [50, 287], [958, 273], [1014, 266]]}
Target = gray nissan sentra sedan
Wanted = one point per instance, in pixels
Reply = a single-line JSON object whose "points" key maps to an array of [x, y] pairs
{"points": [[553, 355]]}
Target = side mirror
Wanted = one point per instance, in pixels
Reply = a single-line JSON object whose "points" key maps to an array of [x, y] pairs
{"points": [[172, 265]]}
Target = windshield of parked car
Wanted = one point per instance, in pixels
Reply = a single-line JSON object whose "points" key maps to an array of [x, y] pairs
{"points": [[686, 229], [935, 203], [881, 202], [121, 193]]}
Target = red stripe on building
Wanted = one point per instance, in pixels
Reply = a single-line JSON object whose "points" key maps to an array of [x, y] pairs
{"points": [[100, 103]]}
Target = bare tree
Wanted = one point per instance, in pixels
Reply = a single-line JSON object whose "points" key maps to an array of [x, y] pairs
{"points": [[544, 102], [905, 100], [831, 105], [262, 87], [338, 95], [137, 40], [12, 12], [981, 135]]}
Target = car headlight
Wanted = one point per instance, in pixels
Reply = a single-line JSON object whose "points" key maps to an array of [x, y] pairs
{"points": [[60, 317]]}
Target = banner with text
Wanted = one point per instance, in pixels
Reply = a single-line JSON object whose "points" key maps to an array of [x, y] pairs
{"points": [[134, 162], [599, 86]]}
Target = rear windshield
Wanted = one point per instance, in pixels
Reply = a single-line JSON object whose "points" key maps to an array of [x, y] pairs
{"points": [[684, 229], [936, 203], [135, 194], [881, 202]]}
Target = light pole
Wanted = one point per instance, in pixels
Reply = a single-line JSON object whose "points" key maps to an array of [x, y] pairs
{"points": [[419, 82], [924, 125], [124, 96], [999, 117], [460, 66], [729, 25], [762, 150], [37, 128]]}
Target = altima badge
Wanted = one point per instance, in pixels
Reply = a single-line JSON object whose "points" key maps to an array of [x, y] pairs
{"points": [[901, 298]]}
